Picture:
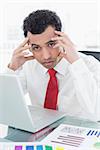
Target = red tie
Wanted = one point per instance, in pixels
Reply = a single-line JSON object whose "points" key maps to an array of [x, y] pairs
{"points": [[52, 91]]}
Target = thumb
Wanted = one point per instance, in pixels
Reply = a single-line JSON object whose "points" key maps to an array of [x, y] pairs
{"points": [[63, 54], [29, 58]]}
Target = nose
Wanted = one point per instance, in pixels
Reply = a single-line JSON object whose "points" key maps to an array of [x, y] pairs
{"points": [[46, 53]]}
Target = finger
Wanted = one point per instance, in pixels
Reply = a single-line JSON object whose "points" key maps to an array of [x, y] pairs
{"points": [[59, 33], [22, 54], [63, 39], [18, 50], [61, 47], [59, 43], [24, 43], [57, 38], [25, 53], [60, 39], [29, 58], [59, 56], [63, 55]]}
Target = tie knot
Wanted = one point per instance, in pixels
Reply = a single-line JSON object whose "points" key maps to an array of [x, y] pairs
{"points": [[52, 72]]}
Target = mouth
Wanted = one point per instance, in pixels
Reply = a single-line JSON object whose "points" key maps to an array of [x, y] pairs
{"points": [[48, 63]]}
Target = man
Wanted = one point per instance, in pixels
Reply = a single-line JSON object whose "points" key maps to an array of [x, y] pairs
{"points": [[75, 76]]}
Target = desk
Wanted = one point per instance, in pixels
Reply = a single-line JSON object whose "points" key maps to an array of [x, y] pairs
{"points": [[15, 135]]}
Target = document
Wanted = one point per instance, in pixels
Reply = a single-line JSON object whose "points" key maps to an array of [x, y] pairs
{"points": [[74, 138], [64, 137]]}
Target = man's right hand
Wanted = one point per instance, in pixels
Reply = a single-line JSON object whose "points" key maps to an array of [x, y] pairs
{"points": [[18, 57]]}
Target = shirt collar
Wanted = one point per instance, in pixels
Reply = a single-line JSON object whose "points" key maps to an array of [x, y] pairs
{"points": [[62, 66], [41, 69]]}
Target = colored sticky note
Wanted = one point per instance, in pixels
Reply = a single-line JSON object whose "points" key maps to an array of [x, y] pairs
{"points": [[39, 147], [48, 147], [97, 145], [59, 148], [30, 147], [98, 134], [18, 147]]}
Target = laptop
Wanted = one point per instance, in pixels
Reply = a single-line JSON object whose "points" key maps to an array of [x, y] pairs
{"points": [[15, 113]]}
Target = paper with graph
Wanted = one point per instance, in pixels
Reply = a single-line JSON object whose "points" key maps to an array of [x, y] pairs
{"points": [[74, 138]]}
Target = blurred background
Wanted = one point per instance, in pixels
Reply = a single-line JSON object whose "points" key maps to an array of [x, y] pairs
{"points": [[80, 20]]}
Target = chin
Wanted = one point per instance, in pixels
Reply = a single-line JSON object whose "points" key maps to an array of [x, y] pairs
{"points": [[49, 67]]}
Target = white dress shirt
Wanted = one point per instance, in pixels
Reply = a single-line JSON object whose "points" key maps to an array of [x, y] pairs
{"points": [[79, 85]]}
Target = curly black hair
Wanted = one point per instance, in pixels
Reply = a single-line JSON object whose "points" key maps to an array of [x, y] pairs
{"points": [[39, 20]]}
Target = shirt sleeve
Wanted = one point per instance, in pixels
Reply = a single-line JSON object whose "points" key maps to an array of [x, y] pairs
{"points": [[86, 78]]}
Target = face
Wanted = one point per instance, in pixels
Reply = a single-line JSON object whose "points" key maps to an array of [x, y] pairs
{"points": [[42, 47]]}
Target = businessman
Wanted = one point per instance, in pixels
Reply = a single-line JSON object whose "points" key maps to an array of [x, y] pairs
{"points": [[55, 75]]}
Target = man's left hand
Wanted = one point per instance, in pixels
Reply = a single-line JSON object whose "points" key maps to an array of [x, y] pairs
{"points": [[68, 48]]}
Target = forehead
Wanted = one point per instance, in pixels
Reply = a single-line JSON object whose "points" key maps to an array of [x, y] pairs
{"points": [[43, 37]]}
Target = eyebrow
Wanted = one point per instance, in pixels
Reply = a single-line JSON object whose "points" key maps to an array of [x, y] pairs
{"points": [[51, 41], [34, 44]]}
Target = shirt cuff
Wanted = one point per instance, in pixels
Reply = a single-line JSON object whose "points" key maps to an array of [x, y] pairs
{"points": [[78, 67], [10, 71]]}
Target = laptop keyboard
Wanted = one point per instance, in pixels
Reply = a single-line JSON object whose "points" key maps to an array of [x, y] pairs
{"points": [[38, 113], [42, 115]]}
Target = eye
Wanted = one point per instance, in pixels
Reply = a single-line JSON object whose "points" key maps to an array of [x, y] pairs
{"points": [[35, 48], [51, 44]]}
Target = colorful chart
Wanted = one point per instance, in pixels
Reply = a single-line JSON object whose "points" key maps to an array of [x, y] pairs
{"points": [[32, 146], [74, 137]]}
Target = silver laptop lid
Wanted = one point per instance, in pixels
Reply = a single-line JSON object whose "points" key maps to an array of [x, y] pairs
{"points": [[13, 110]]}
